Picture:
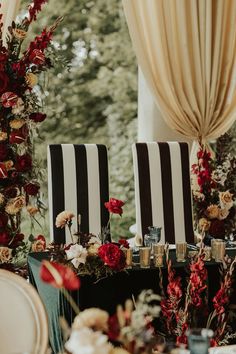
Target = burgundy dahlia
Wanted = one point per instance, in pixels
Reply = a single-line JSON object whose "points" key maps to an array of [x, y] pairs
{"points": [[23, 163]]}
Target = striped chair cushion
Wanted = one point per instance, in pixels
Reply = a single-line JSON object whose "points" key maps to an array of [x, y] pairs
{"points": [[162, 190], [78, 182]]}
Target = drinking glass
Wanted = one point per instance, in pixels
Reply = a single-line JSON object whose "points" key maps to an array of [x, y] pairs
{"points": [[219, 249], [199, 340], [181, 251]]}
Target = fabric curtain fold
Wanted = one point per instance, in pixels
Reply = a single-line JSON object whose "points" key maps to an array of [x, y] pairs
{"points": [[186, 50], [9, 10]]}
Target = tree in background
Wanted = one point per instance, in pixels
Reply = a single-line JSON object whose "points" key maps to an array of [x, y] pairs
{"points": [[95, 101]]}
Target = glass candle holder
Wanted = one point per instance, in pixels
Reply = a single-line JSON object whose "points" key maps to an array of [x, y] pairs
{"points": [[158, 260], [219, 249], [129, 257], [144, 257], [158, 249], [199, 340], [181, 251]]}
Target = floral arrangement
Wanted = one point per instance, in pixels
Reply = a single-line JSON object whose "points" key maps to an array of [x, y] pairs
{"points": [[185, 309], [20, 115], [151, 323], [89, 255], [131, 329], [213, 184]]}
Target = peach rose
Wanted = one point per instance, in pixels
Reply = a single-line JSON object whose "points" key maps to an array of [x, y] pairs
{"points": [[223, 213], [5, 254], [93, 318], [64, 218], [38, 246], [204, 224], [213, 211], [31, 79], [3, 136], [15, 205], [226, 199], [17, 123]]}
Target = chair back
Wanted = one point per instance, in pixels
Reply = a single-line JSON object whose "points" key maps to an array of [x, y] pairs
{"points": [[23, 325], [78, 182], [162, 190]]}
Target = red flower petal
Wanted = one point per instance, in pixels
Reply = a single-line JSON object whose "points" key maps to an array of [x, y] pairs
{"points": [[59, 276]]}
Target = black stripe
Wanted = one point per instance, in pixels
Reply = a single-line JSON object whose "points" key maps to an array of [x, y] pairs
{"points": [[104, 183], [188, 222], [82, 186], [167, 192], [58, 195], [144, 187]]}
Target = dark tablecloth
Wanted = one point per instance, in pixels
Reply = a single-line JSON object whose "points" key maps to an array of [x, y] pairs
{"points": [[106, 293]]}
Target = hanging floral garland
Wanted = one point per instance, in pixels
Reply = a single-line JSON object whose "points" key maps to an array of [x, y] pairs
{"points": [[20, 115]]}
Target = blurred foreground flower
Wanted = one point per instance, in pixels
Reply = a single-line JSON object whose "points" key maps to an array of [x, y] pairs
{"points": [[59, 276]]}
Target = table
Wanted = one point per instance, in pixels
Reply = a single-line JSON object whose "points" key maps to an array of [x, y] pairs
{"points": [[106, 293]]}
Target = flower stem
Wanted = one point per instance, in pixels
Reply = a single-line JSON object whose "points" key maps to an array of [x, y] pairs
{"points": [[70, 300]]}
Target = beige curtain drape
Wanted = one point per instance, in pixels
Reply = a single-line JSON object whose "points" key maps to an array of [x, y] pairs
{"points": [[9, 9], [186, 50]]}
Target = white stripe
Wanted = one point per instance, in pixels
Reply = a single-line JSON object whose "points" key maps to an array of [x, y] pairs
{"points": [[50, 206], [93, 188], [70, 191], [156, 187], [136, 188], [175, 157]]}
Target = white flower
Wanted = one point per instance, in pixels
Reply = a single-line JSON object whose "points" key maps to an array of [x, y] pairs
{"points": [[86, 341], [18, 107], [77, 254], [93, 317]]}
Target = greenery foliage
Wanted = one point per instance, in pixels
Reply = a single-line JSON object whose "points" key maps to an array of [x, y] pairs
{"points": [[92, 96]]}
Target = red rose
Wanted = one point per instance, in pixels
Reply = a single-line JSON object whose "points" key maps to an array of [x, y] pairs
{"points": [[31, 188], [4, 80], [124, 243], [114, 206], [59, 276], [37, 57], [3, 171], [9, 99], [217, 228], [3, 220], [112, 256], [17, 240], [37, 117], [23, 163], [4, 238]]}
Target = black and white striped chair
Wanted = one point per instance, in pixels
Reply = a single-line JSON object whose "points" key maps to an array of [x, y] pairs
{"points": [[162, 190], [78, 182]]}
